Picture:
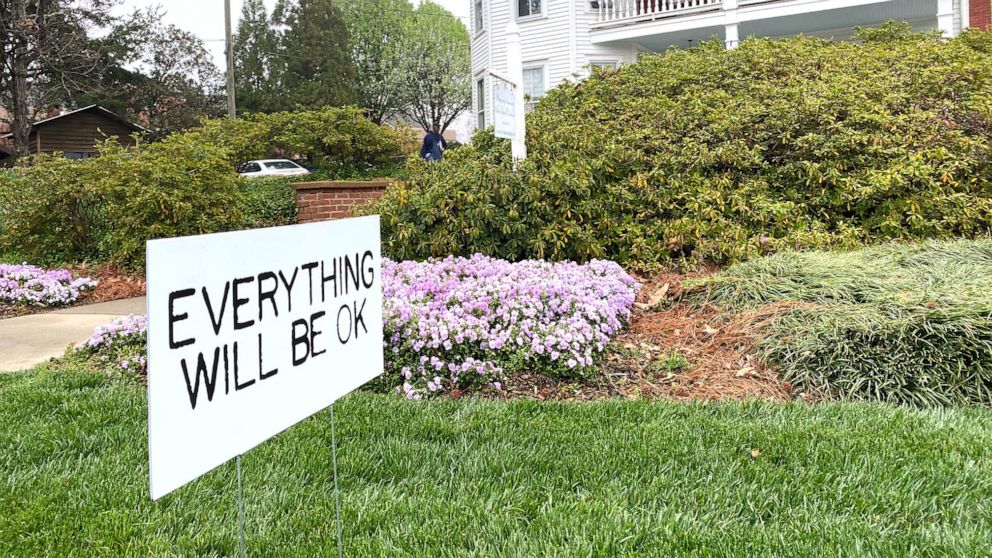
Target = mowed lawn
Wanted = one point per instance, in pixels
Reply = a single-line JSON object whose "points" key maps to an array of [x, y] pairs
{"points": [[491, 478]]}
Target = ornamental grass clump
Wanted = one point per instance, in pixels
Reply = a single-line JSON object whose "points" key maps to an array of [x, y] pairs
{"points": [[459, 323], [30, 285], [903, 324]]}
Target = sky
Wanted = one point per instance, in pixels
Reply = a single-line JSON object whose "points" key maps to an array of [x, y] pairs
{"points": [[205, 18]]}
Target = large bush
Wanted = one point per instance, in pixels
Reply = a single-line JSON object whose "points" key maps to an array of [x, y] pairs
{"points": [[268, 201], [104, 209], [904, 324], [721, 155], [339, 140]]}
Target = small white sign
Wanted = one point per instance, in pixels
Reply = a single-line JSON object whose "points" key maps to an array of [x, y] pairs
{"points": [[250, 332], [504, 111]]}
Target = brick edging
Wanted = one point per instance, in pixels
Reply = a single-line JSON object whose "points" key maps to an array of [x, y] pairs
{"points": [[342, 184], [335, 199]]}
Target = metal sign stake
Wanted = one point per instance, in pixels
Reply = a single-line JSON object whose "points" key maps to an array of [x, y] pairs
{"points": [[241, 508], [337, 494]]}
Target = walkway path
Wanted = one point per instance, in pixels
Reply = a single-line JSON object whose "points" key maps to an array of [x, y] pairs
{"points": [[29, 340]]}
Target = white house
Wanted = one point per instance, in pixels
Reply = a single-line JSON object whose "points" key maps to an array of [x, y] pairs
{"points": [[562, 39]]}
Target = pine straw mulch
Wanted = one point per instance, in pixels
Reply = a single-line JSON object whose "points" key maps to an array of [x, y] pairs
{"points": [[112, 284], [718, 346]]}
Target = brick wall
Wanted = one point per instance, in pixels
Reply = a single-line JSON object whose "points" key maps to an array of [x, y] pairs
{"points": [[334, 199], [980, 14]]}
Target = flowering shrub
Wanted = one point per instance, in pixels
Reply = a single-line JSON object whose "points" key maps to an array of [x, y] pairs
{"points": [[120, 343], [459, 322], [35, 286]]}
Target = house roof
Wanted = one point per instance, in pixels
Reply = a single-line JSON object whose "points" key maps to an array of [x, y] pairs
{"points": [[91, 108]]}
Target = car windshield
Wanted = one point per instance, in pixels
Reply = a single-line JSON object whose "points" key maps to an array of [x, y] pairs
{"points": [[282, 165]]}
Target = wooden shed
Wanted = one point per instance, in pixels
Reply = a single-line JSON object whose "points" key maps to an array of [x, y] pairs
{"points": [[76, 133]]}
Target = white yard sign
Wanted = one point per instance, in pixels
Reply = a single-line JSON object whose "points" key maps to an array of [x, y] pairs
{"points": [[250, 332], [504, 111]]}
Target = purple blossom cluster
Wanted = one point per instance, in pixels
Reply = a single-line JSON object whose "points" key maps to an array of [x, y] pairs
{"points": [[126, 330], [458, 322], [31, 285], [119, 344]]}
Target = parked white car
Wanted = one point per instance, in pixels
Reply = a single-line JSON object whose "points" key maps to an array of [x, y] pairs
{"points": [[271, 167]]}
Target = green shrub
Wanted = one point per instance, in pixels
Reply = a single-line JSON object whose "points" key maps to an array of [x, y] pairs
{"points": [[710, 154], [386, 168], [105, 208], [339, 139], [46, 213], [897, 323], [268, 201]]}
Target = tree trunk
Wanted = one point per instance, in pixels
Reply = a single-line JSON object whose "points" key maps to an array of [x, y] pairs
{"points": [[19, 121]]}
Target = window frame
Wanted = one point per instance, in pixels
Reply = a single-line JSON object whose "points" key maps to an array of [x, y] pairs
{"points": [[613, 64], [530, 17], [79, 155], [478, 11], [531, 66], [480, 106]]}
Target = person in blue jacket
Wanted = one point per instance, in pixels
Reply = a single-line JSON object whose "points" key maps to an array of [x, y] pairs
{"points": [[434, 145]]}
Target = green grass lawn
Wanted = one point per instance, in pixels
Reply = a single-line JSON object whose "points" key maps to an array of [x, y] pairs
{"points": [[489, 478]]}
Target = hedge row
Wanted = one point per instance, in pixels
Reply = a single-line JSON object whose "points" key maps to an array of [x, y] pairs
{"points": [[710, 154], [55, 210]]}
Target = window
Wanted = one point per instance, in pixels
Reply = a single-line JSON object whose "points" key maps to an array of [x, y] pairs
{"points": [[529, 8], [480, 102], [285, 165], [533, 86], [478, 17], [79, 154], [604, 64], [251, 167]]}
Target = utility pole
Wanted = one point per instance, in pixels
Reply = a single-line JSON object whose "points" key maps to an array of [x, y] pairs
{"points": [[231, 110]]}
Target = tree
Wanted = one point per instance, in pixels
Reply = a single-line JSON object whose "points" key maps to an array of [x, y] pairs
{"points": [[378, 48], [49, 55], [315, 68], [163, 76], [438, 67], [255, 46]]}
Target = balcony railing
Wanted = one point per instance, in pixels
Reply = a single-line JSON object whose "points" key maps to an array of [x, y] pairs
{"points": [[626, 10]]}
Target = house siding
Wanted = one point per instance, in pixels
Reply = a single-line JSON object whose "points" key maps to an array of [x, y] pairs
{"points": [[480, 55], [545, 41], [78, 132], [586, 52]]}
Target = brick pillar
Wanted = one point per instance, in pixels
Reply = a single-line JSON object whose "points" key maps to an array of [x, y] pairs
{"points": [[980, 14], [334, 199]]}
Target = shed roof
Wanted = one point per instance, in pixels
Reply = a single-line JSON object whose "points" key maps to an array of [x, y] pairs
{"points": [[92, 108]]}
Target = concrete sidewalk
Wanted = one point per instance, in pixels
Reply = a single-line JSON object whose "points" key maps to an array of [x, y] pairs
{"points": [[30, 340]]}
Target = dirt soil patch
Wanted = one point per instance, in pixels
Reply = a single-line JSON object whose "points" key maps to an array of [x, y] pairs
{"points": [[675, 350], [112, 284]]}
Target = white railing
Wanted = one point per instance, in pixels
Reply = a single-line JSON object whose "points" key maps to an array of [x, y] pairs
{"points": [[616, 10]]}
